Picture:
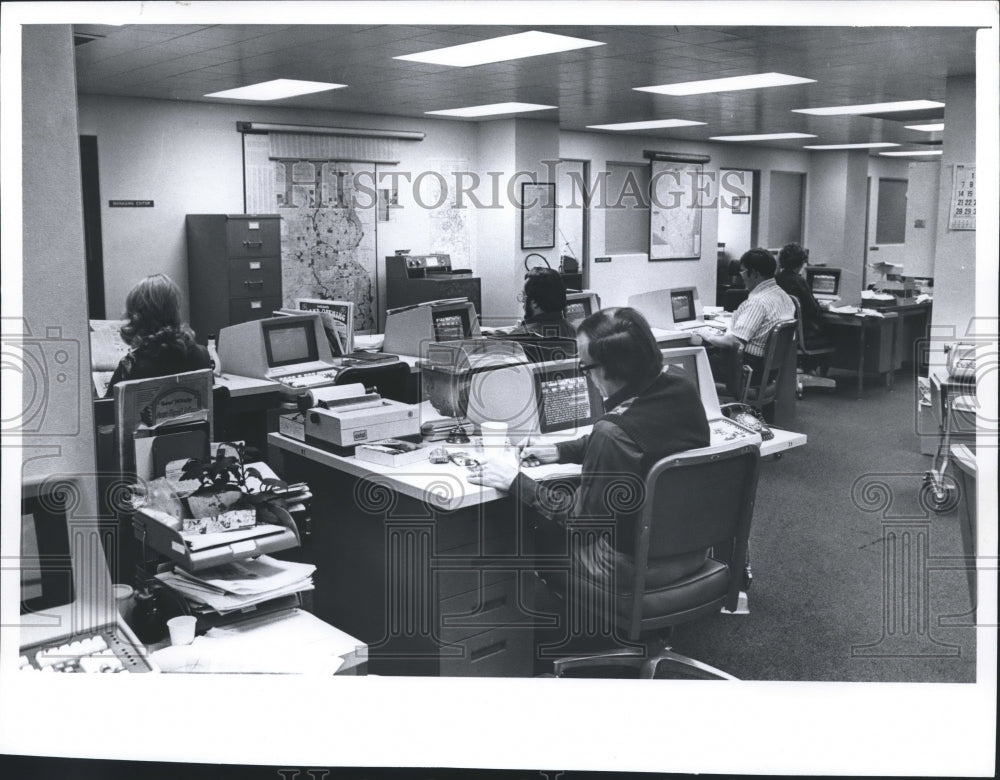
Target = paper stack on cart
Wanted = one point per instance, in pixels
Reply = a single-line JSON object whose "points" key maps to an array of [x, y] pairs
{"points": [[239, 585]]}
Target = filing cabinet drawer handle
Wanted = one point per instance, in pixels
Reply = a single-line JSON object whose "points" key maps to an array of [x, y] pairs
{"points": [[253, 244], [253, 283], [488, 650]]}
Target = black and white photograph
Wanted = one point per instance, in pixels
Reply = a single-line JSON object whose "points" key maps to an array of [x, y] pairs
{"points": [[540, 505]]}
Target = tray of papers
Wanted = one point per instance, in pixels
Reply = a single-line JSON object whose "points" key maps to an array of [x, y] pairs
{"points": [[275, 530]]}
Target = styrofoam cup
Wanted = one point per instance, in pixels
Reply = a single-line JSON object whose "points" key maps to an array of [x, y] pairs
{"points": [[182, 629]]}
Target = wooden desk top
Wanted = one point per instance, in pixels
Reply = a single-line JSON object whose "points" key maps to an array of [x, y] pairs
{"points": [[445, 485]]}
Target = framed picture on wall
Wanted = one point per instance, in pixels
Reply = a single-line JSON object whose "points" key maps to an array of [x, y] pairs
{"points": [[538, 215], [741, 204]]}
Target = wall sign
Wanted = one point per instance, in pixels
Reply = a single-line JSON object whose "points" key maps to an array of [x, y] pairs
{"points": [[130, 204], [962, 215]]}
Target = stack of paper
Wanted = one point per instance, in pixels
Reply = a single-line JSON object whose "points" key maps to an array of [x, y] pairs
{"points": [[240, 584]]}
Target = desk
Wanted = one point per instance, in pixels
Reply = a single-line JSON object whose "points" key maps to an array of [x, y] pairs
{"points": [[912, 330], [288, 642], [433, 572], [864, 345]]}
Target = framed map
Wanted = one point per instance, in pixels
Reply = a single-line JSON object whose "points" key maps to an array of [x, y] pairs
{"points": [[675, 211], [538, 216]]}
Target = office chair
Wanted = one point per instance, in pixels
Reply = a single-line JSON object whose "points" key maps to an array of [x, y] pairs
{"points": [[763, 386], [809, 354], [737, 378], [684, 512], [390, 380]]}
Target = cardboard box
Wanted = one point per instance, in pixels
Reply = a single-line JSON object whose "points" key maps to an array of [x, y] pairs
{"points": [[293, 426]]}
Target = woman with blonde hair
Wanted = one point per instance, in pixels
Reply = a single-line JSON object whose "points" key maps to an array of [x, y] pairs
{"points": [[160, 344]]}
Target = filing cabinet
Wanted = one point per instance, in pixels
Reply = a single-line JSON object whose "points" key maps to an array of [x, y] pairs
{"points": [[234, 269]]}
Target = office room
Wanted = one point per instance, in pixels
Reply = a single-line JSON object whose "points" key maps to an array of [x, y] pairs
{"points": [[867, 594]]}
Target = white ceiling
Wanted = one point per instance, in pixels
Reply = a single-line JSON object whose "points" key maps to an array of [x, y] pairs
{"points": [[851, 65]]}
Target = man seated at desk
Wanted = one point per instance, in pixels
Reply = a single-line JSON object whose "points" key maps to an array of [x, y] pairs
{"points": [[765, 306], [791, 259], [544, 299], [652, 414]]}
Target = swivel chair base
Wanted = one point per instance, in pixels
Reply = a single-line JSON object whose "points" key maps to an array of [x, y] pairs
{"points": [[804, 380], [647, 662]]}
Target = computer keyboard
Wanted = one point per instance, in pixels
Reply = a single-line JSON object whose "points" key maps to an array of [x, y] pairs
{"points": [[309, 379], [708, 330], [101, 651]]}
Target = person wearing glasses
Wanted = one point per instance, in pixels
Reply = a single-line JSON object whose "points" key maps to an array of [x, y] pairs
{"points": [[651, 413], [765, 306], [544, 300]]}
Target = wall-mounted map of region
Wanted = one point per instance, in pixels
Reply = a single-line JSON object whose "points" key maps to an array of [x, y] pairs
{"points": [[327, 227], [674, 213]]}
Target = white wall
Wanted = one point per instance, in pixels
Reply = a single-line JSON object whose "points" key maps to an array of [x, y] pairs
{"points": [[921, 217], [735, 230], [955, 252], [835, 215], [58, 427], [886, 168], [629, 274], [188, 159]]}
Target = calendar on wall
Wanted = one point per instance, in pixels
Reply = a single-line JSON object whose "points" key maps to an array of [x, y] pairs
{"points": [[963, 198]]}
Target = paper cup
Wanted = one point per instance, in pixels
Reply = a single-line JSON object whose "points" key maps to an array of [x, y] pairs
{"points": [[181, 629], [494, 437], [123, 599]]}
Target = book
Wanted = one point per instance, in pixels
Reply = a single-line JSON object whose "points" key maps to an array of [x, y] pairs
{"points": [[338, 321], [392, 452]]}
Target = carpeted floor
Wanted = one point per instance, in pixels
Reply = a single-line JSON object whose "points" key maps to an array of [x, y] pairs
{"points": [[853, 579]]}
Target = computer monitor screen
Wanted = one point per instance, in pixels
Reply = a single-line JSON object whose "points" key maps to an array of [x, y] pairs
{"points": [[46, 566], [451, 324], [565, 397], [692, 362], [823, 281], [289, 343], [579, 306], [682, 305]]}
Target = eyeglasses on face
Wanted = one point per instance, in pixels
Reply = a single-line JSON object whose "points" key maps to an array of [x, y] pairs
{"points": [[586, 368], [521, 297]]}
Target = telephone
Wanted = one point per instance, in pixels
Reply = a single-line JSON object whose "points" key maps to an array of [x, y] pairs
{"points": [[962, 362], [749, 418]]}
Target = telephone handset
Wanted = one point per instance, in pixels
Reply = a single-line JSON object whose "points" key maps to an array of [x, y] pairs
{"points": [[749, 418], [962, 363]]}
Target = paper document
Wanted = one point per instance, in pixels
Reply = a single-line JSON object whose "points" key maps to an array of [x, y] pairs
{"points": [[202, 541], [257, 575]]}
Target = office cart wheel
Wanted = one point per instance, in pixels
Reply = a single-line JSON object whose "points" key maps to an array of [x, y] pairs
{"points": [[939, 493]]}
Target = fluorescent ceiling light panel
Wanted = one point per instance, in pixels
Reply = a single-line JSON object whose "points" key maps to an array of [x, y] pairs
{"points": [[764, 137], [851, 146], [491, 109], [926, 128], [275, 90], [506, 47], [649, 125], [752, 81], [910, 154], [871, 108]]}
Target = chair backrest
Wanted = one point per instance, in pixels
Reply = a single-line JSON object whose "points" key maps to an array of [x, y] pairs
{"points": [[390, 380], [764, 386], [162, 419], [799, 330], [695, 500]]}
